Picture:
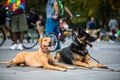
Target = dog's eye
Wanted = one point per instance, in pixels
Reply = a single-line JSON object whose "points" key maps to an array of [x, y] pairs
{"points": [[45, 40]]}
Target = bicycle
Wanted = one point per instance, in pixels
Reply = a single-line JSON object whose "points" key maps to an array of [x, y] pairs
{"points": [[31, 36], [2, 36], [61, 37], [30, 40]]}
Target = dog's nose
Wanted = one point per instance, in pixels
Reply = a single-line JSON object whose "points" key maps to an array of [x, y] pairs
{"points": [[50, 43]]}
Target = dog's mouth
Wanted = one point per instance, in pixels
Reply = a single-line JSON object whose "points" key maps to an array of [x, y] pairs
{"points": [[49, 46], [88, 43]]}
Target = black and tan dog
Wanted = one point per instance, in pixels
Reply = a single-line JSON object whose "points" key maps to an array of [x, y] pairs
{"points": [[40, 58], [77, 54]]}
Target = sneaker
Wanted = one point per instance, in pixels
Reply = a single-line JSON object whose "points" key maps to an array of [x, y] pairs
{"points": [[111, 41], [20, 47], [98, 40], [14, 46]]}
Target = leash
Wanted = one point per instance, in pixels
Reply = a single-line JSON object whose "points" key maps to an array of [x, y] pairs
{"points": [[98, 69], [94, 59], [109, 69], [113, 70]]}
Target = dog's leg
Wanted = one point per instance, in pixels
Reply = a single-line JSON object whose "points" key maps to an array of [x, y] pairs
{"points": [[88, 61], [51, 58], [83, 64], [97, 65], [7, 63], [15, 61], [64, 66], [93, 64], [58, 57], [47, 66], [59, 65]]}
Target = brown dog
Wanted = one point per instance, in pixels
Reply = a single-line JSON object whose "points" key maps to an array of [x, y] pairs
{"points": [[40, 58]]}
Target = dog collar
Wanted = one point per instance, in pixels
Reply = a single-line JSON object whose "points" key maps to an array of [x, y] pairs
{"points": [[46, 52]]}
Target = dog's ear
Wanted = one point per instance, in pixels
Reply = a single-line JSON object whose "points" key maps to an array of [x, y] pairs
{"points": [[80, 31], [40, 40]]}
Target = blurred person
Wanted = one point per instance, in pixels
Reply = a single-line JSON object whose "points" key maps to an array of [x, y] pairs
{"points": [[52, 21], [113, 25], [100, 34], [63, 24], [63, 30], [91, 26], [18, 23], [33, 16], [40, 25]]}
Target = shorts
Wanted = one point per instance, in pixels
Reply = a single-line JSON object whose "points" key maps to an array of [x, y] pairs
{"points": [[19, 23]]}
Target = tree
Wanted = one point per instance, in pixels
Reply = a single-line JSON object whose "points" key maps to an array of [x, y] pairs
{"points": [[100, 9]]}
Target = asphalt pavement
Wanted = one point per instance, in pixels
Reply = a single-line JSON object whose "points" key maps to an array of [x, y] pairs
{"points": [[105, 52]]}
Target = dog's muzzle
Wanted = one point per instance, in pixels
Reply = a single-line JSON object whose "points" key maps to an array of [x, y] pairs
{"points": [[89, 43], [50, 44]]}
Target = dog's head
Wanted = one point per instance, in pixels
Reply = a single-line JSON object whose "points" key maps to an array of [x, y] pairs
{"points": [[45, 43], [87, 38]]}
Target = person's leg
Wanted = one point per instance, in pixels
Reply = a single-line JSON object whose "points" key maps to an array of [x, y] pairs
{"points": [[13, 28], [52, 26], [40, 30], [20, 46], [57, 31], [22, 27], [112, 38], [113, 35], [98, 36], [14, 37], [21, 37], [49, 26]]}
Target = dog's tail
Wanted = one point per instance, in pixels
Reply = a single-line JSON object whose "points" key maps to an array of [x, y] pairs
{"points": [[5, 62]]}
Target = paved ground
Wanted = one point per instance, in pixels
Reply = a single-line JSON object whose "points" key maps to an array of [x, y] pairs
{"points": [[107, 53]]}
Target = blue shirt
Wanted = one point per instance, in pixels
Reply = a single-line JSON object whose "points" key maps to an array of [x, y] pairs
{"points": [[49, 8], [91, 25]]}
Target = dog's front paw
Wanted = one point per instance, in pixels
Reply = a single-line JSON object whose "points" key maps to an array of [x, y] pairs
{"points": [[8, 65], [90, 67], [71, 67], [104, 67], [22, 65], [62, 69]]}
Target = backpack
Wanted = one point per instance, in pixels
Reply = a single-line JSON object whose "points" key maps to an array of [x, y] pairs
{"points": [[61, 10]]}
